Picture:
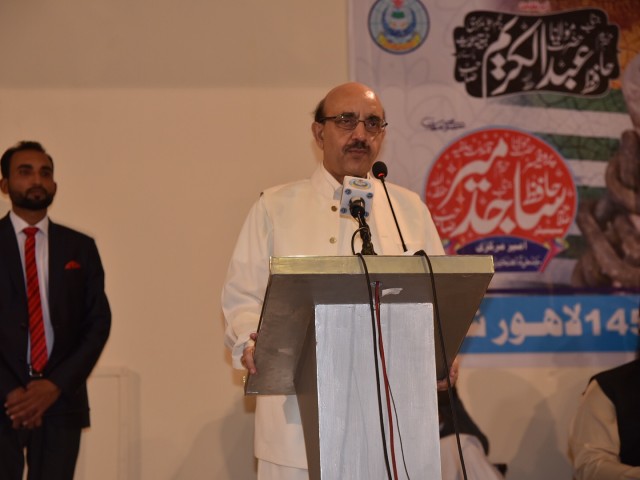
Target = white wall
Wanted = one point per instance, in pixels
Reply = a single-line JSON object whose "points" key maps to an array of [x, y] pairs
{"points": [[165, 121], [162, 179]]}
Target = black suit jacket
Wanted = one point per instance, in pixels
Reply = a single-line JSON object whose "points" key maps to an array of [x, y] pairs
{"points": [[80, 317]]}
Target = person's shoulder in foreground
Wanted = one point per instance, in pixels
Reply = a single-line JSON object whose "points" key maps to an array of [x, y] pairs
{"points": [[604, 439]]}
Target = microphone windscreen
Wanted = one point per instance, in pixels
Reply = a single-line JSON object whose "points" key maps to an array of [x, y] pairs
{"points": [[379, 170]]}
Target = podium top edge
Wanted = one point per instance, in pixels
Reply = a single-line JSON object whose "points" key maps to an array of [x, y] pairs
{"points": [[351, 265]]}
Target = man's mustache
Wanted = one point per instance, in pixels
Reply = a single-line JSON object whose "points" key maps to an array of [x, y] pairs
{"points": [[37, 190], [357, 144]]}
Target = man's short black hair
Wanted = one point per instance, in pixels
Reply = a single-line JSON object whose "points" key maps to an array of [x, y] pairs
{"points": [[318, 114], [5, 161]]}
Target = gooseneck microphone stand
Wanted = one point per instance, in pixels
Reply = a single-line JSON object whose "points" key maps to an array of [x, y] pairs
{"points": [[356, 208], [379, 171]]}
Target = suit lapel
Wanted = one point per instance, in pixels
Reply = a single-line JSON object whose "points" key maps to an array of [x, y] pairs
{"points": [[9, 246], [56, 269]]}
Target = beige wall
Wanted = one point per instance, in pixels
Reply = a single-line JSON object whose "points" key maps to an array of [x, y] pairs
{"points": [[165, 120], [162, 179]]}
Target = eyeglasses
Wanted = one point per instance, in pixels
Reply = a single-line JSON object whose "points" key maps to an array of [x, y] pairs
{"points": [[349, 121]]}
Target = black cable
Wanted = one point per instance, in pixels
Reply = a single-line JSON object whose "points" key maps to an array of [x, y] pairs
{"points": [[393, 400], [353, 241], [357, 210], [395, 412], [375, 358], [452, 401], [387, 386]]}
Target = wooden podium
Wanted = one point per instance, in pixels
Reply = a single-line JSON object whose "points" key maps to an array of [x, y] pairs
{"points": [[315, 341]]}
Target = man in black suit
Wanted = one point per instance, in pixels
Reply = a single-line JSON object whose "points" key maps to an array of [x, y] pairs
{"points": [[43, 377]]}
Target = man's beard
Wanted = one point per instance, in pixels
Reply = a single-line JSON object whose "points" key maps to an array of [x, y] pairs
{"points": [[29, 203]]}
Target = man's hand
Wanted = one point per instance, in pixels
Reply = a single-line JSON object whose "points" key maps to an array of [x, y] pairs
{"points": [[247, 356], [14, 397], [453, 376], [26, 406]]}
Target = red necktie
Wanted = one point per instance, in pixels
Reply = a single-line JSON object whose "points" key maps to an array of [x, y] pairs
{"points": [[36, 325]]}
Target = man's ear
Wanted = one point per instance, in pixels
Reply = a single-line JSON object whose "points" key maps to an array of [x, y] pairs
{"points": [[4, 185], [318, 133]]}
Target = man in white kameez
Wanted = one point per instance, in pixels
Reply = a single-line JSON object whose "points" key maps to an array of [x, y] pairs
{"points": [[303, 218]]}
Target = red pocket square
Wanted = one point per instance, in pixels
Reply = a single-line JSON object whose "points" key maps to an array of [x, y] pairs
{"points": [[72, 265]]}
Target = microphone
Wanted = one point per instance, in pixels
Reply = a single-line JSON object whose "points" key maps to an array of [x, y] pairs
{"points": [[379, 171], [357, 200], [356, 187], [357, 210]]}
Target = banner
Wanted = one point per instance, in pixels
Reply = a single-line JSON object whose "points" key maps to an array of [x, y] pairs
{"points": [[518, 123]]}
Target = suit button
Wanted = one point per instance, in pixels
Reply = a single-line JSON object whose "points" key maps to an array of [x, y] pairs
{"points": [[332, 240], [334, 208]]}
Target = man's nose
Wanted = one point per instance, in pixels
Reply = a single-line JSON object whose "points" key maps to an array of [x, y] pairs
{"points": [[40, 179], [359, 133]]}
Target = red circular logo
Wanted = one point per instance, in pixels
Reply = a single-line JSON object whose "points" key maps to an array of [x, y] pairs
{"points": [[502, 191]]}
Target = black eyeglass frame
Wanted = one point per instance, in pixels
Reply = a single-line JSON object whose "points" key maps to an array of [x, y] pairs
{"points": [[345, 116]]}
